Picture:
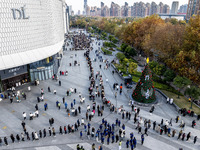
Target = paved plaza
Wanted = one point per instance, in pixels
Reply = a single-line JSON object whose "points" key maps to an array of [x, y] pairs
{"points": [[78, 77]]}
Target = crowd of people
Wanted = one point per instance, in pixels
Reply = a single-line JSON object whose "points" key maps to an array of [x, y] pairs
{"points": [[106, 132]]}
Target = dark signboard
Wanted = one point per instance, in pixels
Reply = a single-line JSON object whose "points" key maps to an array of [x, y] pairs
{"points": [[12, 72]]}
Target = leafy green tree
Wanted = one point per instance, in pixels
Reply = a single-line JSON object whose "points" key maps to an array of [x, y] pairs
{"points": [[159, 69], [110, 37], [193, 92], [169, 75], [129, 51], [181, 82], [120, 56], [123, 47], [153, 64], [132, 67]]}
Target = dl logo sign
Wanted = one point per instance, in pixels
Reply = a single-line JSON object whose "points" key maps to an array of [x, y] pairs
{"points": [[19, 13]]}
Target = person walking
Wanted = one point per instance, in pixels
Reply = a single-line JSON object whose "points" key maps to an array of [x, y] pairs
{"points": [[81, 135], [59, 105], [183, 136], [45, 106], [54, 132], [173, 133], [142, 139], [65, 105], [36, 107], [145, 131], [120, 145], [195, 139], [179, 135], [12, 138], [6, 141], [63, 100], [188, 136], [79, 109], [18, 138], [24, 115], [49, 131]]}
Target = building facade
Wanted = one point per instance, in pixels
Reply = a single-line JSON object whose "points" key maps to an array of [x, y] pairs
{"points": [[193, 8], [175, 5], [32, 36]]}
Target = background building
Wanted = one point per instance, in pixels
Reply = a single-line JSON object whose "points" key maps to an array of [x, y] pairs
{"points": [[183, 9], [193, 8], [32, 36], [175, 5], [85, 8]]}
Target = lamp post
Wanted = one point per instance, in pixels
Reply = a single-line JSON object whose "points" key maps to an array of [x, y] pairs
{"points": [[191, 99]]}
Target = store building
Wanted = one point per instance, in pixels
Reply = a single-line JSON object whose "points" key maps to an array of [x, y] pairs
{"points": [[31, 40]]}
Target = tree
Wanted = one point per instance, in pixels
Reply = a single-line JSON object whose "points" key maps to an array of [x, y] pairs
{"points": [[181, 82], [153, 64], [169, 75], [159, 69], [193, 92], [120, 56], [144, 91], [129, 51], [132, 67]]}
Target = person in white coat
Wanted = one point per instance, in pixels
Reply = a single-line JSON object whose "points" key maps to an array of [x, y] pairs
{"points": [[24, 115], [171, 100], [36, 136]]}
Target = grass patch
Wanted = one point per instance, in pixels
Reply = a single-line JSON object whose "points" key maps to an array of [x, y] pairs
{"points": [[182, 102], [106, 52]]}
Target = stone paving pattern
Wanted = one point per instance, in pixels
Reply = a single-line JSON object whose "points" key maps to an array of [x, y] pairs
{"points": [[11, 114]]}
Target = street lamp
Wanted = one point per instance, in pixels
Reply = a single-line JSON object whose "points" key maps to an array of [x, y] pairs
{"points": [[191, 101]]}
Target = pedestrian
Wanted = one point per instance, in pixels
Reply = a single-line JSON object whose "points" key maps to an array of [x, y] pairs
{"points": [[44, 132], [188, 136], [195, 139], [22, 136], [64, 101], [142, 139], [12, 138], [74, 102], [81, 135], [183, 136], [108, 140], [36, 107], [49, 131], [65, 105], [0, 141], [179, 135], [18, 138], [40, 133], [36, 136], [49, 90], [59, 83], [145, 131], [173, 133], [37, 113], [127, 144], [120, 145], [54, 132], [45, 106], [5, 141], [154, 125], [61, 132], [59, 105], [79, 109], [24, 115], [54, 91]]}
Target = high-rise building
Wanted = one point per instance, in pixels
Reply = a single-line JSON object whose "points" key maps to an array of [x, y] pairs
{"points": [[70, 10], [148, 8], [85, 7], [126, 8], [183, 9], [88, 11], [193, 8], [166, 9], [155, 9], [174, 8], [161, 5], [79, 12]]}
